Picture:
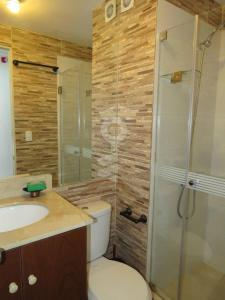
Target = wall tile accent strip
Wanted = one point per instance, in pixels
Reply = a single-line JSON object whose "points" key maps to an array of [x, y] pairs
{"points": [[35, 97]]}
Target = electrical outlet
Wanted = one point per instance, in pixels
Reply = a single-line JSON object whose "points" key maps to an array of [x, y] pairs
{"points": [[28, 136]]}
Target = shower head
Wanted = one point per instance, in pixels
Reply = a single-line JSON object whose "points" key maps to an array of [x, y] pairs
{"points": [[208, 41]]}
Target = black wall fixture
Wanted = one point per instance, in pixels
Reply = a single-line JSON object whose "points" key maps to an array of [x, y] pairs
{"points": [[19, 62], [127, 213]]}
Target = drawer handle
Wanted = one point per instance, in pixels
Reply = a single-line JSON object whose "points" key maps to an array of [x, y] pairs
{"points": [[13, 288], [32, 280]]}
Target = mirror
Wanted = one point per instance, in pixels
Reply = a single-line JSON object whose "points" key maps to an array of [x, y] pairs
{"points": [[48, 120]]}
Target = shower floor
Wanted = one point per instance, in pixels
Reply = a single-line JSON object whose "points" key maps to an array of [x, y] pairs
{"points": [[203, 283]]}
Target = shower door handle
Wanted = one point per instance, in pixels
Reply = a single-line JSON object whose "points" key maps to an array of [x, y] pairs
{"points": [[192, 183], [180, 215]]}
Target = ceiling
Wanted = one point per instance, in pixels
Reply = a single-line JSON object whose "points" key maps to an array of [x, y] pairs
{"points": [[70, 20]]}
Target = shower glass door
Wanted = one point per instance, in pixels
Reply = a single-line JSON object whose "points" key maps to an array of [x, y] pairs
{"points": [[70, 138], [203, 276], [188, 245], [176, 84], [75, 123]]}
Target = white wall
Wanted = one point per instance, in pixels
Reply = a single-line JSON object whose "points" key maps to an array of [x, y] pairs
{"points": [[6, 134]]}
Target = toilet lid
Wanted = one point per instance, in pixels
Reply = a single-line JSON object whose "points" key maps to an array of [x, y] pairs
{"points": [[111, 280]]}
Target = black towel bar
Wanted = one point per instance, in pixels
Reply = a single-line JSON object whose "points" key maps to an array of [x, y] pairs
{"points": [[127, 213], [18, 62]]}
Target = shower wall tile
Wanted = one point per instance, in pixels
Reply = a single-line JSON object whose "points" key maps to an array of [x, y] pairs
{"points": [[35, 97]]}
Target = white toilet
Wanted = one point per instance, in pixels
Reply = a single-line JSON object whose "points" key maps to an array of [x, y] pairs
{"points": [[107, 279]]}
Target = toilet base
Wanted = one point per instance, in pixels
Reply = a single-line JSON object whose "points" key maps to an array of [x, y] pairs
{"points": [[112, 280]]}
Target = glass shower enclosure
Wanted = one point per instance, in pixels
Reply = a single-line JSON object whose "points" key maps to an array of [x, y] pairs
{"points": [[75, 123], [188, 237]]}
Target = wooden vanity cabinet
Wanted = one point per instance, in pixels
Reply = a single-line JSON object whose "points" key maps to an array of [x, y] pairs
{"points": [[53, 268]]}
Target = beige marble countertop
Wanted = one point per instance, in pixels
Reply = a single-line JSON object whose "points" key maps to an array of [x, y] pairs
{"points": [[62, 217]]}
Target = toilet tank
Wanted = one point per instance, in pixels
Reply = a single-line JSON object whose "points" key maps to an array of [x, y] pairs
{"points": [[98, 232]]}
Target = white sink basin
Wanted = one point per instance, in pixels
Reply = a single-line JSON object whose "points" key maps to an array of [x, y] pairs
{"points": [[20, 215]]}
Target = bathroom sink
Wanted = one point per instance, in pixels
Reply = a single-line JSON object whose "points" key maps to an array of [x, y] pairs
{"points": [[20, 215]]}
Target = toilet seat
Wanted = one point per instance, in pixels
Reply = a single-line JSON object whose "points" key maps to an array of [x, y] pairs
{"points": [[111, 280]]}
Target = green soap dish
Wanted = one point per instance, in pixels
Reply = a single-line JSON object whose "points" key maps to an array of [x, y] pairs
{"points": [[34, 188]]}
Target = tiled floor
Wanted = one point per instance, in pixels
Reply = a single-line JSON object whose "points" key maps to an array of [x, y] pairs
{"points": [[203, 283]]}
